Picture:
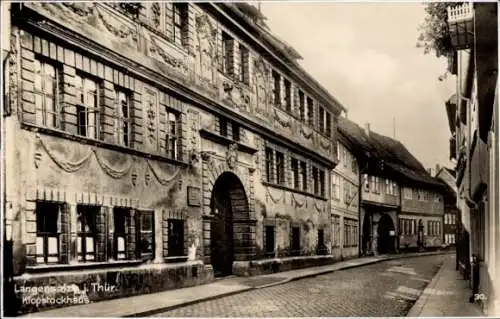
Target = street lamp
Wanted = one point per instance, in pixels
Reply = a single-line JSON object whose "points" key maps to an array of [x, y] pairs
{"points": [[461, 25]]}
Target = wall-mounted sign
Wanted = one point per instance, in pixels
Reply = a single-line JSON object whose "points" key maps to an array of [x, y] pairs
{"points": [[194, 196]]}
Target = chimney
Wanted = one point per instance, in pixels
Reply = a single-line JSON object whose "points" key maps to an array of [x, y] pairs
{"points": [[438, 167], [367, 128], [429, 170]]}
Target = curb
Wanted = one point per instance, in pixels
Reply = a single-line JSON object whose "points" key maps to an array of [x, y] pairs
{"points": [[417, 307], [188, 303], [185, 304]]}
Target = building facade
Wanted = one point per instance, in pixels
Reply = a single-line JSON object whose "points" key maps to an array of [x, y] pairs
{"points": [[447, 176], [474, 145], [345, 202], [156, 146], [401, 205]]}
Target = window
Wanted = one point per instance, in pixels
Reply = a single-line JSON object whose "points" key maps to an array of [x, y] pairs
{"points": [[394, 188], [345, 156], [322, 183], [244, 65], [408, 192], [122, 118], [87, 108], [46, 88], [86, 228], [172, 135], [120, 216], [288, 95], [366, 183], [280, 168], [277, 88], [315, 176], [47, 232], [269, 165], [310, 112], [303, 173], [321, 118], [223, 127], [145, 234], [302, 111], [295, 173], [336, 187], [325, 121], [180, 23], [295, 249], [354, 165], [328, 130], [269, 241], [321, 242], [236, 132], [175, 237], [227, 54]]}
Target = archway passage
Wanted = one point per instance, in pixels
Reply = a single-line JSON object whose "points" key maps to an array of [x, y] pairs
{"points": [[229, 205], [366, 234], [385, 232]]}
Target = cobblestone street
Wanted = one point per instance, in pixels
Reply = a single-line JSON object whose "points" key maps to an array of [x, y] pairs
{"points": [[385, 289]]}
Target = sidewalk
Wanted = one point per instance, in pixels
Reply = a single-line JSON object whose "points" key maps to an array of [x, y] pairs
{"points": [[447, 295], [145, 305]]}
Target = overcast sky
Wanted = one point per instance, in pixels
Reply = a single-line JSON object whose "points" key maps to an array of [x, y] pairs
{"points": [[364, 54]]}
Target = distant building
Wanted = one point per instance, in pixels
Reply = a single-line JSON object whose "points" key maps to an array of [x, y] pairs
{"points": [[401, 203], [345, 200], [447, 176]]}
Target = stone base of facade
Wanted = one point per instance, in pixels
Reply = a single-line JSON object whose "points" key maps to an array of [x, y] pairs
{"points": [[64, 289], [274, 265]]}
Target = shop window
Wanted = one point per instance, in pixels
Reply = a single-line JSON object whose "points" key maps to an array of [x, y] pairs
{"points": [[87, 231], [175, 237], [120, 216], [47, 232], [145, 234]]}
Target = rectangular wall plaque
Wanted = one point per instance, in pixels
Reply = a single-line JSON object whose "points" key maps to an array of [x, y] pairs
{"points": [[194, 196]]}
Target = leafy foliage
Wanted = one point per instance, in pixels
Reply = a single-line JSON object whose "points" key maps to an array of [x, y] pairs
{"points": [[434, 34]]}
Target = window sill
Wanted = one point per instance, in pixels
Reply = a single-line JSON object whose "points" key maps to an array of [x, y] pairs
{"points": [[81, 266], [214, 137], [293, 190], [93, 142], [176, 259]]}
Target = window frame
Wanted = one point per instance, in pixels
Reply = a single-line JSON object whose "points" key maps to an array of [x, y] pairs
{"points": [[173, 137], [82, 92], [280, 167], [83, 234], [180, 10], [126, 213], [269, 160], [227, 50], [41, 91], [121, 137], [140, 232], [45, 234], [176, 250]]}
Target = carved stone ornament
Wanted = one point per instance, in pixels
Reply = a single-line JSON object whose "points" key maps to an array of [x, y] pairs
{"points": [[147, 178], [232, 155], [133, 177]]}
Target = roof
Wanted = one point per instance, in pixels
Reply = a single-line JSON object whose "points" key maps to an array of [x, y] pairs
{"points": [[377, 147]]}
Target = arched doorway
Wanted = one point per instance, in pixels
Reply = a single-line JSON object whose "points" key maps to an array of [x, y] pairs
{"points": [[228, 205], [385, 240]]}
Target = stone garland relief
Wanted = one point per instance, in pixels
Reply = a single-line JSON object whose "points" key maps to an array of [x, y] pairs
{"points": [[115, 173], [156, 51]]}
